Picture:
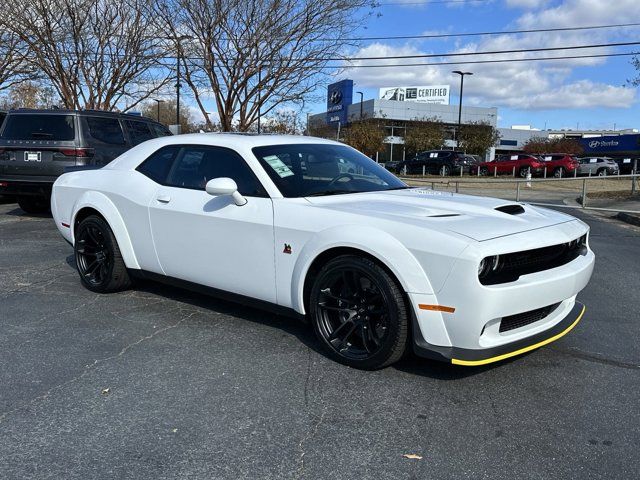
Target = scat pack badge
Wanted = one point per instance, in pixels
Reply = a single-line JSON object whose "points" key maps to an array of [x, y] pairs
{"points": [[287, 249]]}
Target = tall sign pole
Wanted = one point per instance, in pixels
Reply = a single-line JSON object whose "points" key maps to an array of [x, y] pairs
{"points": [[462, 74]]}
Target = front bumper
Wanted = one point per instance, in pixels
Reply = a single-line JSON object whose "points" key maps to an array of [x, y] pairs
{"points": [[473, 328], [473, 357]]}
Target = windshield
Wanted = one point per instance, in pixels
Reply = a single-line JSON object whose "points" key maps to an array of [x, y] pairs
{"points": [[304, 170], [39, 127]]}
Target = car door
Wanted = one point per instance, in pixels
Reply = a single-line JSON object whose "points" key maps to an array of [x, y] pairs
{"points": [[210, 240]]}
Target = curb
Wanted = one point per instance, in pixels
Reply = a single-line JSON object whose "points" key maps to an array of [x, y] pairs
{"points": [[628, 218]]}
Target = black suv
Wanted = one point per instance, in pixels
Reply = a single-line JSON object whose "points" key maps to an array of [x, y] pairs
{"points": [[436, 162], [36, 146]]}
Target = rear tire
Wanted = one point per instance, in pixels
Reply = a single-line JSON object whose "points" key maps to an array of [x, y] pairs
{"points": [[445, 171], [98, 258], [34, 204], [559, 173], [523, 172], [484, 172], [359, 313]]}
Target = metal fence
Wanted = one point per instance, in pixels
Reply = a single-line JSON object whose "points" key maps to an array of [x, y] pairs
{"points": [[623, 190]]}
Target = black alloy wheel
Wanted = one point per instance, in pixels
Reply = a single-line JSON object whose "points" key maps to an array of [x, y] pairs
{"points": [[484, 171], [445, 171], [602, 172], [98, 257], [524, 171], [359, 313]]}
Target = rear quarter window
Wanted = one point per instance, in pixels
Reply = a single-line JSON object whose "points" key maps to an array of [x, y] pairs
{"points": [[157, 166], [39, 127], [139, 132], [106, 130]]}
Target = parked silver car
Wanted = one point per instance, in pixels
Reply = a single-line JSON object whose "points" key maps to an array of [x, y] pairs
{"points": [[600, 166]]}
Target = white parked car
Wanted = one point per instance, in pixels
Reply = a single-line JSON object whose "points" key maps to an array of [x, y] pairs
{"points": [[315, 228]]}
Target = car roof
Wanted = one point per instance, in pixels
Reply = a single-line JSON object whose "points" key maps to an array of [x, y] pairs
{"points": [[62, 111], [239, 142]]}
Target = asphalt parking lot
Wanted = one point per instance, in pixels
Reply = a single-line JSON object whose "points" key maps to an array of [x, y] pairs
{"points": [[162, 383]]}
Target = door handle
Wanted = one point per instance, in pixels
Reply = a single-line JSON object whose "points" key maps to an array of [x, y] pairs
{"points": [[163, 198]]}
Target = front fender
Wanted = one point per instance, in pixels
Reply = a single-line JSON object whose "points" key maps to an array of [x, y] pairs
{"points": [[377, 243], [100, 202]]}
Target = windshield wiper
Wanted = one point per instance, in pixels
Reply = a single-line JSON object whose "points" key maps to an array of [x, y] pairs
{"points": [[398, 188], [329, 192], [41, 135]]}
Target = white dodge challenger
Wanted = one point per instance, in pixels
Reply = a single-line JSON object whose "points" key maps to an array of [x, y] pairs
{"points": [[315, 228]]}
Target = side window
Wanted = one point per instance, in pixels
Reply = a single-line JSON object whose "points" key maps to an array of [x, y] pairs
{"points": [[106, 130], [160, 130], [196, 165], [157, 166], [139, 132]]}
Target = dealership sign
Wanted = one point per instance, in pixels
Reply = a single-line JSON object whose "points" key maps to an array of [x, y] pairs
{"points": [[437, 94], [339, 97], [611, 144]]}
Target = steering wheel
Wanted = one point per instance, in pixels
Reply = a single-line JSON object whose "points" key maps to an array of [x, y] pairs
{"points": [[342, 175]]}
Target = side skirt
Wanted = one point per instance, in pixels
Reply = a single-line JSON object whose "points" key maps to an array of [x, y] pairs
{"points": [[217, 293]]}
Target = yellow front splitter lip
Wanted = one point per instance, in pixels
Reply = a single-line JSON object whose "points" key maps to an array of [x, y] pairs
{"points": [[528, 348]]}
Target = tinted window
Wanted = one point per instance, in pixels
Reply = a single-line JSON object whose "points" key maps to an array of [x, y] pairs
{"points": [[139, 132], [106, 130], [157, 166], [196, 165], [160, 130], [39, 127]]}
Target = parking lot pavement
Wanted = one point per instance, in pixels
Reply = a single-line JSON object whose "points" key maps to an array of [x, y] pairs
{"points": [[162, 383]]}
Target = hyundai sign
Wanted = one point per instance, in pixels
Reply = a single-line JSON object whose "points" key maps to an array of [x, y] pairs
{"points": [[339, 97], [436, 94], [611, 144]]}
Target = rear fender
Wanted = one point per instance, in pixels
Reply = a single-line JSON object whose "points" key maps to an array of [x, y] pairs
{"points": [[100, 202]]}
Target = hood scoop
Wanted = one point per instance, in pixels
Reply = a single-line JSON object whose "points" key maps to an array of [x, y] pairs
{"points": [[513, 209]]}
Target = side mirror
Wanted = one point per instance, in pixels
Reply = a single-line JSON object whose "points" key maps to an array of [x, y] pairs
{"points": [[225, 186]]}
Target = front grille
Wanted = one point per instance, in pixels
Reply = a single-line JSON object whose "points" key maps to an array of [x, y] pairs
{"points": [[522, 319], [511, 266]]}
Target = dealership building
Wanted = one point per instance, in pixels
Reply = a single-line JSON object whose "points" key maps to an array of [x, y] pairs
{"points": [[398, 105]]}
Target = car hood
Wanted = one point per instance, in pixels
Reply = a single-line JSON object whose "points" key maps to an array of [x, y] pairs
{"points": [[478, 218]]}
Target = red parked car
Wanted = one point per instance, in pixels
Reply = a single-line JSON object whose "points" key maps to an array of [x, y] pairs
{"points": [[505, 164], [560, 164]]}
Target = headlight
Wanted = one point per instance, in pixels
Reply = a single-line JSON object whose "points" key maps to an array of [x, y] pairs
{"points": [[488, 265]]}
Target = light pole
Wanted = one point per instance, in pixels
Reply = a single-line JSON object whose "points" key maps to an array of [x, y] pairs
{"points": [[361, 100], [178, 40], [462, 74], [158, 101]]}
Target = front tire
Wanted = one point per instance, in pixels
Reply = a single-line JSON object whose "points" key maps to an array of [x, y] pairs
{"points": [[98, 258], [359, 313]]}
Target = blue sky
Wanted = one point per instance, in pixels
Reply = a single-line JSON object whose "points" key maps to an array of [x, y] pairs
{"points": [[561, 94]]}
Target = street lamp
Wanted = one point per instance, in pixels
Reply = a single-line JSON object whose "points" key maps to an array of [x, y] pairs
{"points": [[361, 100], [462, 74], [178, 40], [158, 109]]}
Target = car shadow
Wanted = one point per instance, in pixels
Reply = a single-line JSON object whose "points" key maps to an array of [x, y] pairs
{"points": [[300, 328], [18, 212]]}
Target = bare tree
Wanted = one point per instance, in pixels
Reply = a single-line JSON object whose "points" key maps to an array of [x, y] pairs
{"points": [[94, 53], [252, 56], [13, 69]]}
